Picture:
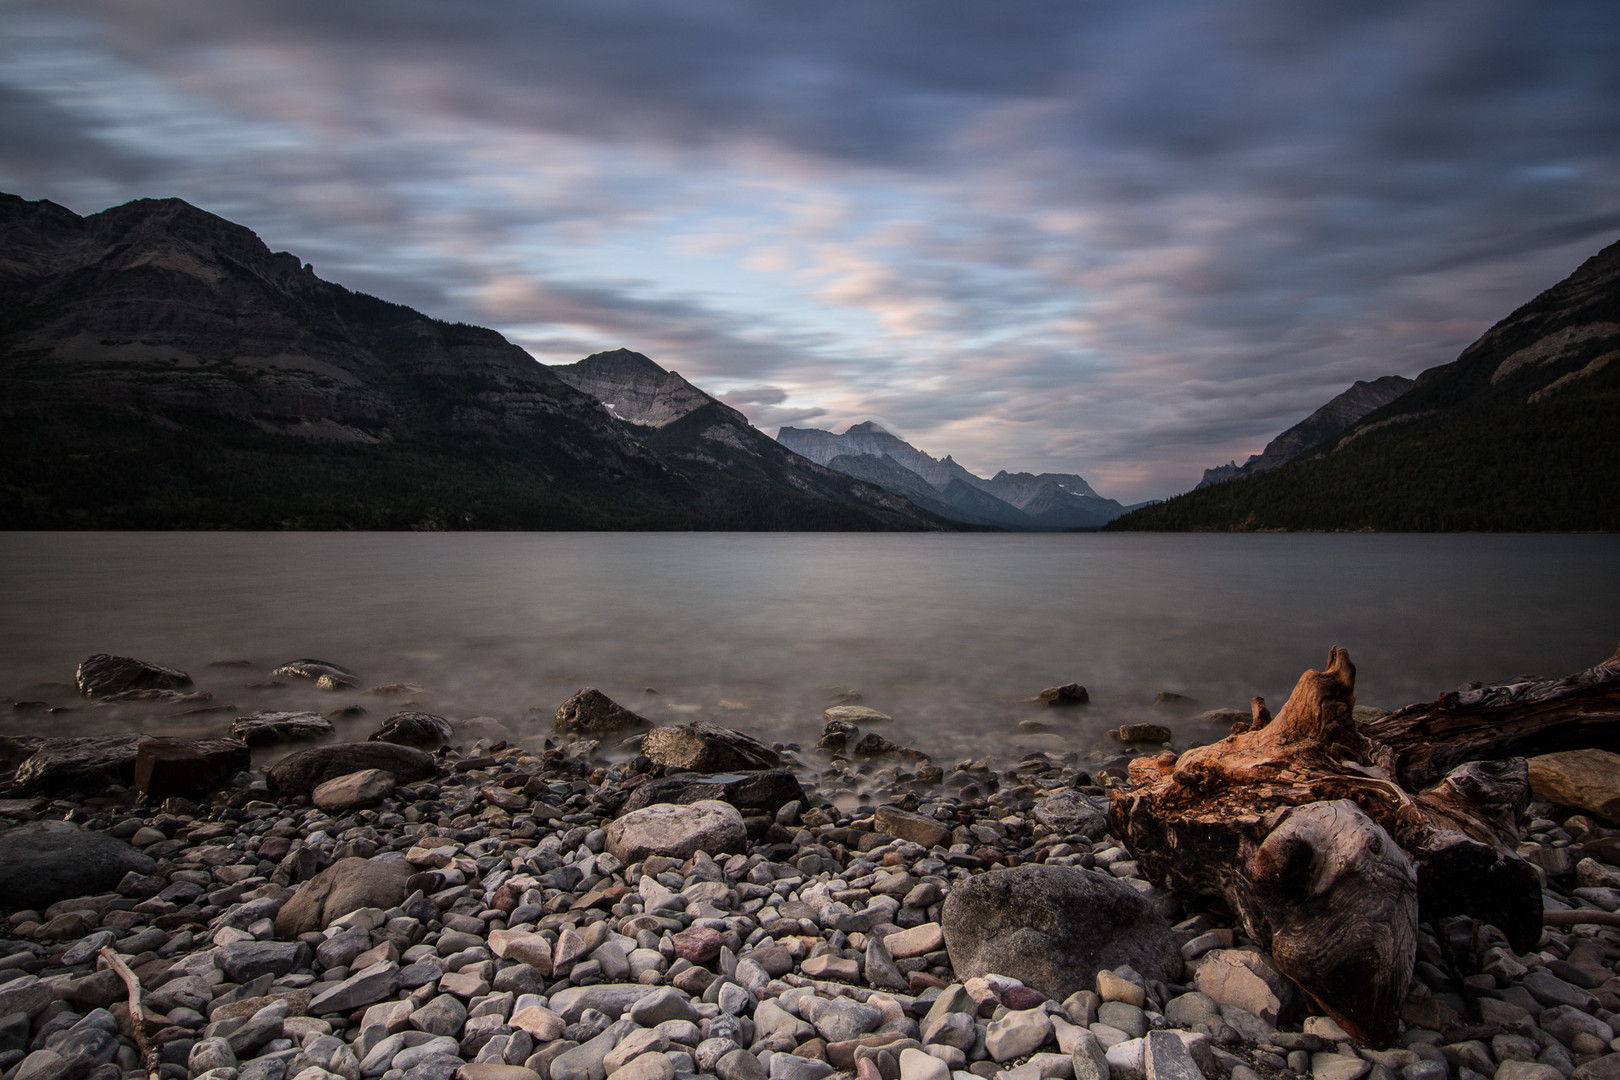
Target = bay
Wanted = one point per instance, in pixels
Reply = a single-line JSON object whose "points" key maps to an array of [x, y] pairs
{"points": [[946, 633]]}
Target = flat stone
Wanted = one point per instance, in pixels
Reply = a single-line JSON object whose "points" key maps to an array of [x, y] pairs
{"points": [[918, 829], [1017, 1033], [677, 831], [648, 1066], [495, 1071], [840, 1019], [1166, 1057], [1330, 1066], [367, 987], [707, 748], [1111, 987], [611, 999], [920, 1065], [353, 791], [1246, 979], [269, 728], [831, 967]]}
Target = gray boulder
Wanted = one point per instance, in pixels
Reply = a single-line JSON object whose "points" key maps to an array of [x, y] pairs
{"points": [[47, 861], [304, 771], [759, 793], [1054, 927], [419, 729], [77, 765], [100, 674], [591, 712], [707, 748], [347, 885]]}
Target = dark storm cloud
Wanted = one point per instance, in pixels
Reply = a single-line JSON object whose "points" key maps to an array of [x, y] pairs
{"points": [[1155, 232]]}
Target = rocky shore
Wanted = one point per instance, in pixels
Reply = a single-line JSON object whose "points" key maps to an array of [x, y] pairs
{"points": [[639, 903]]}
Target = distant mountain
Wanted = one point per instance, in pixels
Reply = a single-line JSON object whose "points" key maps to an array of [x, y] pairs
{"points": [[160, 367], [716, 447], [1049, 501], [1520, 433], [1326, 422]]}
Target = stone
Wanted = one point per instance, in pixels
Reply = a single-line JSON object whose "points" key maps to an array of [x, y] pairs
{"points": [[523, 946], [1331, 1066], [1054, 928], [917, 941], [1065, 696], [1127, 1060], [793, 1067], [927, 831], [47, 861], [99, 675], [739, 1065], [1565, 1022], [345, 886], [1071, 812], [1112, 987], [1127, 1018], [244, 961], [610, 999], [754, 794], [1246, 979], [419, 729], [707, 748], [677, 831], [1550, 990], [663, 1004], [367, 987], [1526, 1070], [314, 670], [71, 766], [1089, 1059], [648, 1066], [698, 944], [1141, 733], [832, 967], [495, 1071], [840, 1019], [1166, 1057], [592, 713], [1017, 1033], [1580, 779], [302, 772], [873, 745], [920, 1065], [444, 1015], [353, 791], [538, 1021], [168, 767], [269, 728]]}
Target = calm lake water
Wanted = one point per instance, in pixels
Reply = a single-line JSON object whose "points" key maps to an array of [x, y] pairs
{"points": [[755, 631]]}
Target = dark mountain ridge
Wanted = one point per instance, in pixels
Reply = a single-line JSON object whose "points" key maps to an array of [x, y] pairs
{"points": [[160, 367], [1520, 433]]}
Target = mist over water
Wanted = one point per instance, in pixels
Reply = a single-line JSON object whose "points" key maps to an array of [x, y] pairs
{"points": [[755, 631]]}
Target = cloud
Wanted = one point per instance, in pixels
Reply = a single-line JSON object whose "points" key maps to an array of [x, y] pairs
{"points": [[1129, 241]]}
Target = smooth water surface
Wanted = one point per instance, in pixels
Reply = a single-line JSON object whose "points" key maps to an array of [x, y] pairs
{"points": [[756, 631]]}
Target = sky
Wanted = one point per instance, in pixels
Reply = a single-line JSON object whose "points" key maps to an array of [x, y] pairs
{"points": [[1130, 240]]}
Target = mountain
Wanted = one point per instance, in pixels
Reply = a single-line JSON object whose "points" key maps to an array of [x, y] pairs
{"points": [[160, 367], [716, 447], [1520, 433], [1326, 422], [1022, 501]]}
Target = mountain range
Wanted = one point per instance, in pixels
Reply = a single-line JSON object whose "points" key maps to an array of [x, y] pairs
{"points": [[1020, 501], [160, 367], [1521, 432]]}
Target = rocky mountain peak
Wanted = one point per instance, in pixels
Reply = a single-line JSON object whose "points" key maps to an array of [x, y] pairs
{"points": [[635, 389]]}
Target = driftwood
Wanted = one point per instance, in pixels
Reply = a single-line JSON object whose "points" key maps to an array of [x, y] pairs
{"points": [[1332, 842], [137, 1014]]}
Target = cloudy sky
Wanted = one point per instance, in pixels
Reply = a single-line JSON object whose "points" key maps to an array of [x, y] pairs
{"points": [[1125, 239]]}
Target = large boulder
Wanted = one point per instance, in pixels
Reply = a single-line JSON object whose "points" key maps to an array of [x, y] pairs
{"points": [[760, 793], [419, 729], [1580, 779], [167, 767], [677, 830], [706, 748], [100, 674], [1054, 928], [303, 772], [47, 861], [591, 712], [269, 728], [77, 765], [347, 885]]}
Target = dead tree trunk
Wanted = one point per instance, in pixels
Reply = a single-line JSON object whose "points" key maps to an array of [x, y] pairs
{"points": [[1322, 838]]}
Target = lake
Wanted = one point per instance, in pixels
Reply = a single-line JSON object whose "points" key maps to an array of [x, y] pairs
{"points": [[946, 633]]}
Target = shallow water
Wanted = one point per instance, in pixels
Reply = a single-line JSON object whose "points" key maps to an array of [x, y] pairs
{"points": [[755, 631]]}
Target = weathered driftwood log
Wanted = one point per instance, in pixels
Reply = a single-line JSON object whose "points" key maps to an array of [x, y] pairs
{"points": [[1521, 718], [1298, 827]]}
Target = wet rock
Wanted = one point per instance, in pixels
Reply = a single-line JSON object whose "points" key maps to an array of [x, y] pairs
{"points": [[419, 729], [1054, 928], [677, 831], [302, 772], [354, 791], [100, 674], [1141, 733], [47, 861], [702, 747], [1069, 694], [592, 713], [873, 745], [170, 767], [71, 766], [347, 885], [314, 670], [760, 793], [269, 728], [854, 715]]}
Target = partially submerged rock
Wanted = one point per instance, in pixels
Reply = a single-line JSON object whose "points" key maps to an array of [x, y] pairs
{"points": [[1141, 733], [71, 766], [315, 670], [168, 767], [419, 729], [1069, 694], [100, 674], [591, 712], [269, 728], [703, 747]]}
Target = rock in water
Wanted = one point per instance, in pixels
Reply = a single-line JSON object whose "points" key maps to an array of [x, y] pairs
{"points": [[1054, 928], [1065, 695], [419, 729], [303, 772], [74, 766], [315, 670], [347, 885], [165, 767], [100, 674], [1140, 733], [269, 728], [704, 747], [47, 861], [591, 712], [678, 831]]}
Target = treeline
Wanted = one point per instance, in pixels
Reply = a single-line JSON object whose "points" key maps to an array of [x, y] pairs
{"points": [[1553, 466]]}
